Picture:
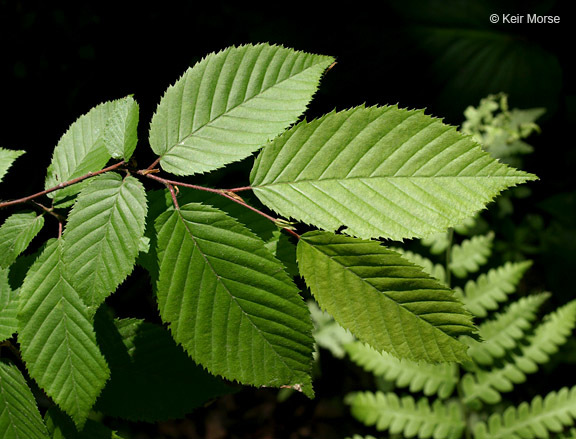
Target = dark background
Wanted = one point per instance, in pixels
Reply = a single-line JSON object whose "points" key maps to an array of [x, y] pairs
{"points": [[59, 61]]}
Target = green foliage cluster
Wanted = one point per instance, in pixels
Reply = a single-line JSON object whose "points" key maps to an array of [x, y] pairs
{"points": [[221, 265], [450, 401]]}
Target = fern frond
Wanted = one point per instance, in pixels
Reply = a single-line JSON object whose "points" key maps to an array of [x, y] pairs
{"points": [[484, 294], [432, 379], [435, 270], [487, 385], [551, 414], [501, 334], [470, 254], [406, 416]]}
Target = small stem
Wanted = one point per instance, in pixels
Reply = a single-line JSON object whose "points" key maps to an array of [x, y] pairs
{"points": [[153, 165], [222, 192], [61, 185], [173, 194], [239, 189], [50, 211]]}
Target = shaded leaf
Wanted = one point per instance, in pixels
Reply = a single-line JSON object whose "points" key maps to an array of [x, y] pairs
{"points": [[152, 379], [383, 299], [229, 302], [19, 415], [57, 339]]}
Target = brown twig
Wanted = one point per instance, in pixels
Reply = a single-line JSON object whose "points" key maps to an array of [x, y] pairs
{"points": [[222, 192], [61, 185]]}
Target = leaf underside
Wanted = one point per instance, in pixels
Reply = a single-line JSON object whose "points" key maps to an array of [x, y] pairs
{"points": [[383, 299], [229, 302], [57, 339], [102, 236], [230, 104], [379, 172]]}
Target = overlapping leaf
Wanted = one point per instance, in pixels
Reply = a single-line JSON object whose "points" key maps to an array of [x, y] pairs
{"points": [[383, 299], [81, 149], [7, 157], [380, 172], [19, 416], [231, 103], [229, 302], [8, 307], [57, 338], [102, 236], [121, 132], [16, 233]]}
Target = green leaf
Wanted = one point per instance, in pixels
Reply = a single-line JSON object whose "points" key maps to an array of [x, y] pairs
{"points": [[152, 379], [470, 255], [230, 104], [60, 427], [538, 418], [121, 132], [16, 234], [484, 294], [408, 417], [80, 150], [7, 157], [19, 416], [8, 307], [102, 236], [383, 299], [57, 339], [380, 172], [229, 302], [431, 379]]}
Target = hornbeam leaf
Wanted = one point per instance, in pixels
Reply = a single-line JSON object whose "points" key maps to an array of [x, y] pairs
{"points": [[57, 339], [19, 415], [8, 307], [7, 157], [81, 149], [121, 132], [380, 172], [229, 302], [16, 233], [383, 299], [102, 236], [230, 104]]}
